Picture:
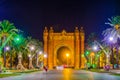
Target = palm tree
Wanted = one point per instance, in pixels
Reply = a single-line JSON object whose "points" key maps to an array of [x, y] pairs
{"points": [[33, 46], [7, 31], [20, 48], [104, 48], [114, 22], [113, 32]]}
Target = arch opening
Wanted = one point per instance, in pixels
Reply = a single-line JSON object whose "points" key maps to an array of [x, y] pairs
{"points": [[64, 56]]}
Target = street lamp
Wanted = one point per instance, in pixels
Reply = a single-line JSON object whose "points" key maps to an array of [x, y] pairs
{"points": [[111, 40], [45, 60], [29, 55], [92, 56], [7, 48], [32, 48], [30, 61], [67, 55], [45, 55], [95, 48], [38, 53]]}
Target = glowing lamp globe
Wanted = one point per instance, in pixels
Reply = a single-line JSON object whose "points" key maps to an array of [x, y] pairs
{"points": [[110, 38], [7, 48], [95, 48], [45, 56]]}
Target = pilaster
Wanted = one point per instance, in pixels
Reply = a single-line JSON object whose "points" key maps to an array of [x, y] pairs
{"points": [[45, 37], [82, 38], [77, 56], [50, 49]]}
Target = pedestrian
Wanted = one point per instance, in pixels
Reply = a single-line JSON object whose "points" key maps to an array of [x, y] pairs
{"points": [[45, 68]]}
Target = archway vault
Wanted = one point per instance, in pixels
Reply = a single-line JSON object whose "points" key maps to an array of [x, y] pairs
{"points": [[63, 45], [73, 40]]}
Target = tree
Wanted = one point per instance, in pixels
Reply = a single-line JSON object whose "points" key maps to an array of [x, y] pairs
{"points": [[113, 32], [114, 22], [7, 31], [20, 44], [33, 45], [90, 43]]}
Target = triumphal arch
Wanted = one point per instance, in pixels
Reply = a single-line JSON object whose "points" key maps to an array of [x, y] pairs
{"points": [[64, 48]]}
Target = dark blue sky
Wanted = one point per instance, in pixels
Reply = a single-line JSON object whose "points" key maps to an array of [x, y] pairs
{"points": [[32, 15]]}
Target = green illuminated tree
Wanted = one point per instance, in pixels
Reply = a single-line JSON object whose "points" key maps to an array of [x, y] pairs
{"points": [[20, 44], [89, 44], [7, 31]]}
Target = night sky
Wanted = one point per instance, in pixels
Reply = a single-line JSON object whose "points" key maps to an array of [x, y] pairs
{"points": [[31, 16]]}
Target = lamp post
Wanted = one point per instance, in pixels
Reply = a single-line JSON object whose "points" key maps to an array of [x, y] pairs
{"points": [[29, 60], [111, 40], [38, 53], [95, 48], [6, 49], [67, 55], [32, 48], [92, 57], [44, 56]]}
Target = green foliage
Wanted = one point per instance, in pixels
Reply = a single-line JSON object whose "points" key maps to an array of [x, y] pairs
{"points": [[7, 75], [114, 21], [91, 38], [7, 27], [88, 64], [10, 36], [0, 63], [94, 65], [18, 39], [87, 52], [4, 69]]}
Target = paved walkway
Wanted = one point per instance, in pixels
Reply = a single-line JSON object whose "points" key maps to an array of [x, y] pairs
{"points": [[67, 74], [115, 71]]}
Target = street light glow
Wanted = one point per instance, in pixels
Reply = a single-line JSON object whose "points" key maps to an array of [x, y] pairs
{"points": [[32, 48], [40, 52], [110, 38], [29, 55], [67, 55], [45, 55], [7, 48], [87, 52], [95, 48], [18, 39]]}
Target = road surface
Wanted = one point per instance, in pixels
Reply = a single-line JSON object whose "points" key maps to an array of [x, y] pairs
{"points": [[66, 74]]}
